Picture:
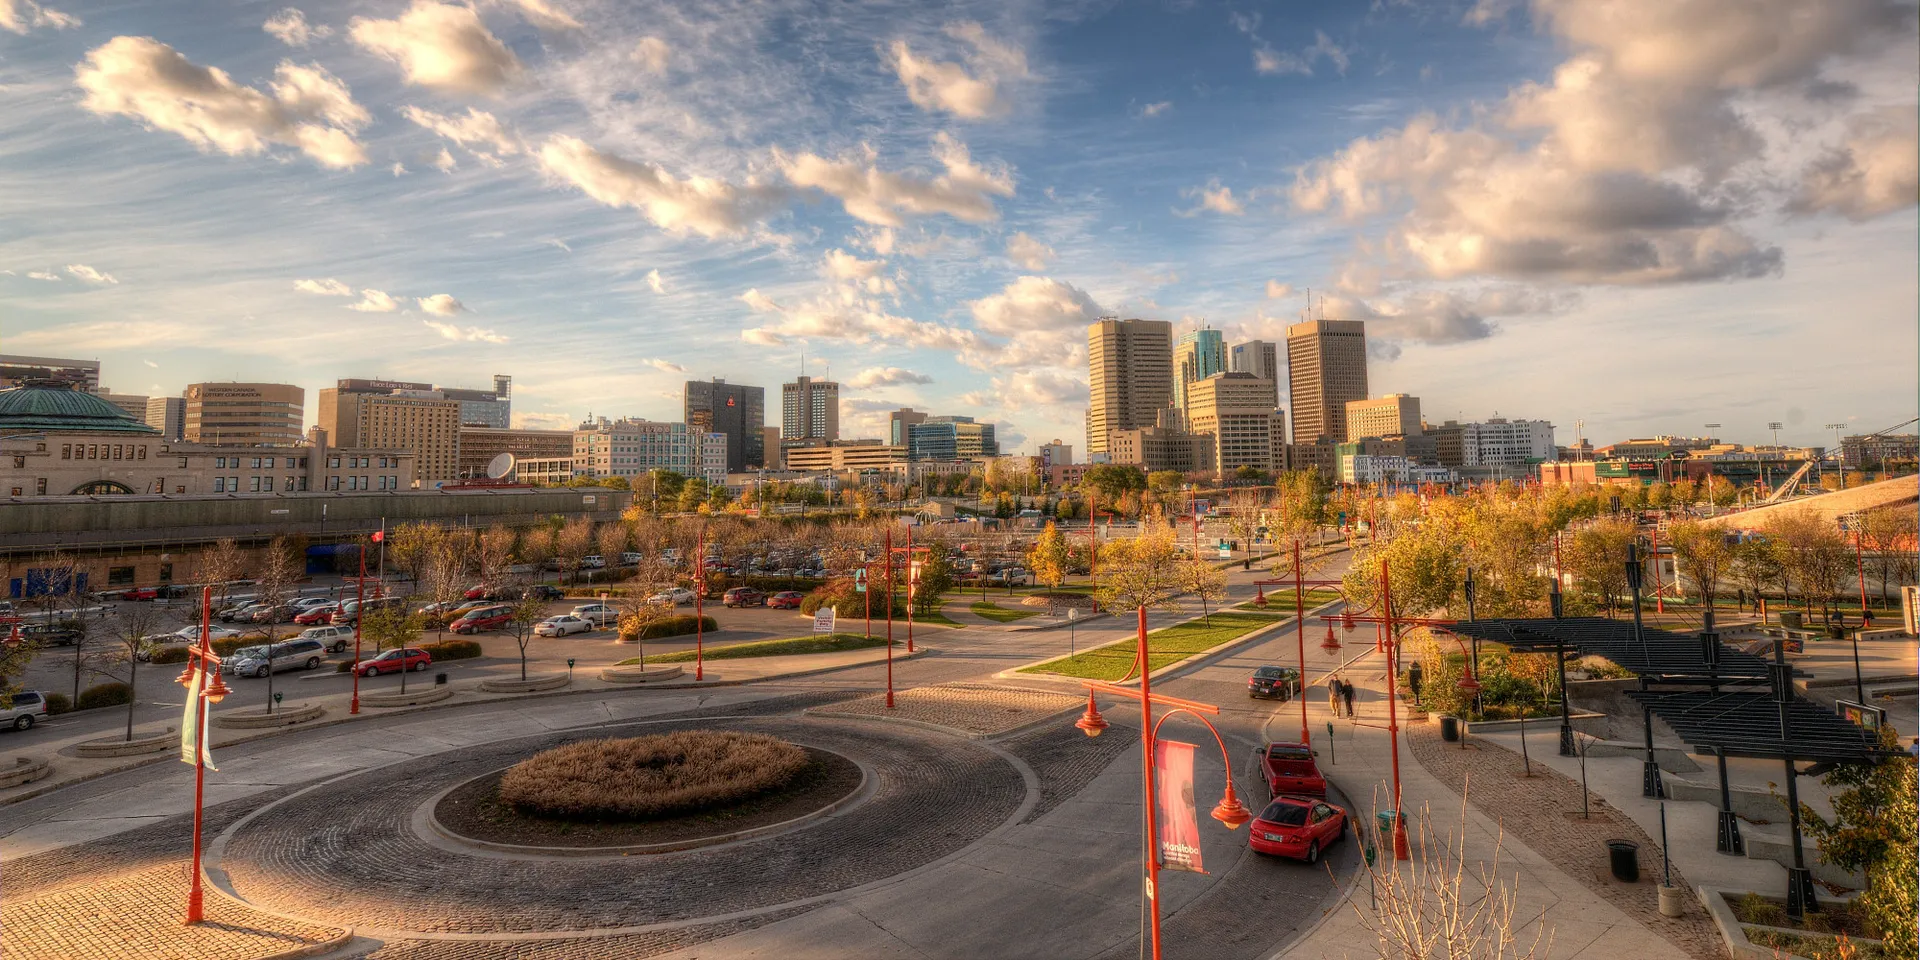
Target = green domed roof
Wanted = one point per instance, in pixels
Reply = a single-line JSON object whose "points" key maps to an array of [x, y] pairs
{"points": [[43, 405]]}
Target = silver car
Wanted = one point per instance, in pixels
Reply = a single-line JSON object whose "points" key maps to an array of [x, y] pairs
{"points": [[296, 653], [29, 707], [598, 614]]}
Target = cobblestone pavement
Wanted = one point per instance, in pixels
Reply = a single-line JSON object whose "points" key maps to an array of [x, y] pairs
{"points": [[1066, 760], [136, 916], [1543, 812], [581, 948], [977, 709], [331, 855]]}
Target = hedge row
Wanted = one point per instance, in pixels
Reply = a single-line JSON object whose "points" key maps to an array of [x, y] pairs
{"points": [[452, 649], [105, 695], [675, 626]]}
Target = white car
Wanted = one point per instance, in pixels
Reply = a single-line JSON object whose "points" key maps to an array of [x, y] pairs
{"points": [[561, 625], [630, 559], [304, 604], [215, 632], [598, 614], [595, 562], [672, 598]]}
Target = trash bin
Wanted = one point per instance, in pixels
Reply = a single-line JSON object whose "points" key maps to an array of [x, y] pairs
{"points": [[439, 679], [1385, 818], [1450, 729], [1790, 619], [1625, 857]]}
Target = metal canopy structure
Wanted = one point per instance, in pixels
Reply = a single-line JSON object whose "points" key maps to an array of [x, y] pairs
{"points": [[1662, 655], [1748, 724]]}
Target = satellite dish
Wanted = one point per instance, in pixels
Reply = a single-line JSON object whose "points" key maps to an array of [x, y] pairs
{"points": [[500, 466]]}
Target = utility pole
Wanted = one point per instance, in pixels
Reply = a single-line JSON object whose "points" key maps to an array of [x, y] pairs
{"points": [[1839, 460]]}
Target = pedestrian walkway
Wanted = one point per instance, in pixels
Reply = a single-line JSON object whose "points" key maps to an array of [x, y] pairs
{"points": [[1357, 757]]}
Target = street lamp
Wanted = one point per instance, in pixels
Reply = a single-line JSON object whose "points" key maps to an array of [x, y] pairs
{"points": [[200, 662], [1229, 811], [1840, 461]]}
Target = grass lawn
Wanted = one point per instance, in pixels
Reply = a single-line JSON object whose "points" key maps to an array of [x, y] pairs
{"points": [[999, 614], [829, 643], [1164, 646], [934, 616], [1280, 600]]}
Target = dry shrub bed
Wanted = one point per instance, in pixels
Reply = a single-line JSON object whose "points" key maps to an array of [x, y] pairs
{"points": [[661, 775]]}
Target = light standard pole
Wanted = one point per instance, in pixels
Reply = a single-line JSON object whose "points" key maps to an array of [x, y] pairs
{"points": [[359, 601], [201, 662], [1839, 459], [699, 597], [889, 618]]}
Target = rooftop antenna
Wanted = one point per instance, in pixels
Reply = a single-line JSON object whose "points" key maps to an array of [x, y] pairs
{"points": [[1579, 428]]}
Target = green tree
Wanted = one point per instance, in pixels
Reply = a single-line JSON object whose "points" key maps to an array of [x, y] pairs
{"points": [[1814, 554], [1705, 554], [1048, 560], [410, 547], [1597, 558], [1205, 582], [1755, 564], [1141, 573], [1873, 831], [391, 627], [935, 577], [1111, 480]]}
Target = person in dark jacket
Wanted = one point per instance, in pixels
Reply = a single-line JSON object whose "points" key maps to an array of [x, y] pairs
{"points": [[1414, 673], [1346, 696], [1333, 696]]}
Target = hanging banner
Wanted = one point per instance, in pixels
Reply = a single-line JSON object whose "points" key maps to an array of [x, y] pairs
{"points": [[1179, 827], [192, 720]]}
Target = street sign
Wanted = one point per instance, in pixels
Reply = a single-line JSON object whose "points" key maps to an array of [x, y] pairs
{"points": [[1226, 553], [823, 620], [860, 580]]}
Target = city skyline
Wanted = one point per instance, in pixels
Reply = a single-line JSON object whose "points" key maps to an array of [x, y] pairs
{"points": [[606, 202]]}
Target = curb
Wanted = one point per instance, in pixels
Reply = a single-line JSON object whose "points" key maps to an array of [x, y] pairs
{"points": [[1178, 667], [313, 949], [280, 718], [1006, 734]]}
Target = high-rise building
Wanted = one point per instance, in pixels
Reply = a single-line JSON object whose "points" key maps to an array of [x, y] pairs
{"points": [[1158, 448], [167, 415], [1394, 415], [83, 374], [480, 445], [1499, 442], [399, 416], [951, 438], [633, 448], [1326, 367], [1055, 453], [809, 411], [134, 404], [485, 408], [1199, 354], [261, 414], [770, 444], [1130, 376], [716, 406], [1260, 358], [900, 423], [1236, 410]]}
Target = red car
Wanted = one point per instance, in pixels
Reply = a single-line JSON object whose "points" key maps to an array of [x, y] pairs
{"points": [[1297, 827], [744, 597], [1289, 768], [786, 600], [394, 661], [480, 592], [141, 593], [483, 618], [323, 613]]}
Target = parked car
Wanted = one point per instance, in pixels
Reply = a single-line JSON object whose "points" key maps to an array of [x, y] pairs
{"points": [[258, 662], [272, 613], [593, 562], [29, 707], [337, 637], [561, 625], [304, 604], [242, 610], [56, 634], [672, 598], [191, 634], [349, 611], [631, 559], [1289, 768], [317, 613], [479, 591], [786, 600], [394, 661], [545, 591], [598, 614], [141, 593], [1275, 683], [1297, 827], [483, 618], [744, 597]]}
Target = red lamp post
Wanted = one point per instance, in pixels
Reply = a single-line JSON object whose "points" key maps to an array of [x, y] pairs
{"points": [[889, 618], [1229, 811], [201, 660], [699, 595], [359, 601]]}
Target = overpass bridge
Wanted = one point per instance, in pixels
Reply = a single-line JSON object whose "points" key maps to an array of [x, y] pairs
{"points": [[1898, 492]]}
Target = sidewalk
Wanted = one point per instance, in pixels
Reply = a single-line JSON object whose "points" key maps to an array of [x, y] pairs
{"points": [[1357, 758]]}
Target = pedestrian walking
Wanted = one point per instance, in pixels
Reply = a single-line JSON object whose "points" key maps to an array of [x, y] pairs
{"points": [[1346, 695], [1414, 674], [1333, 696]]}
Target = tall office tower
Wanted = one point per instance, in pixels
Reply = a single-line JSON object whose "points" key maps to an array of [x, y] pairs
{"points": [[1258, 357], [395, 415], [1326, 367], [809, 411], [169, 416], [951, 438], [1199, 354], [1247, 430], [245, 413], [485, 408], [900, 424], [737, 410], [1130, 377], [1394, 415]]}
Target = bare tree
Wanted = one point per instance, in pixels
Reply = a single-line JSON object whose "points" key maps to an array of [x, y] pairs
{"points": [[273, 584], [571, 544], [220, 565], [494, 556], [1815, 555], [444, 578], [1205, 581], [1434, 906], [611, 540], [136, 622], [526, 612]]}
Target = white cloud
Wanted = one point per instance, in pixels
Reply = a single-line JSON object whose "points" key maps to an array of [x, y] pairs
{"points": [[43, 275], [1156, 109], [150, 363], [762, 337], [556, 243], [542, 14], [21, 16], [1876, 171], [654, 54], [310, 109], [453, 331], [441, 46], [1028, 253], [1268, 61], [399, 169], [1032, 305], [972, 91], [1032, 388], [478, 131], [1214, 197], [886, 377], [82, 272], [965, 192], [664, 366], [711, 208], [443, 161], [1278, 291], [441, 305], [845, 314], [290, 25], [375, 301], [541, 420], [655, 282]]}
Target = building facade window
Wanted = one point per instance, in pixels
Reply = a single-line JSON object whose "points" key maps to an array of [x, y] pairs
{"points": [[40, 486], [66, 451]]}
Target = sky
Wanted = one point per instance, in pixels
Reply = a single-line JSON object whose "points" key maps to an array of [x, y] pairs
{"points": [[1627, 218]]}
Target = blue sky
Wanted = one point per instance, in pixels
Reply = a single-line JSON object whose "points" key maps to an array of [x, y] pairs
{"points": [[1646, 217]]}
